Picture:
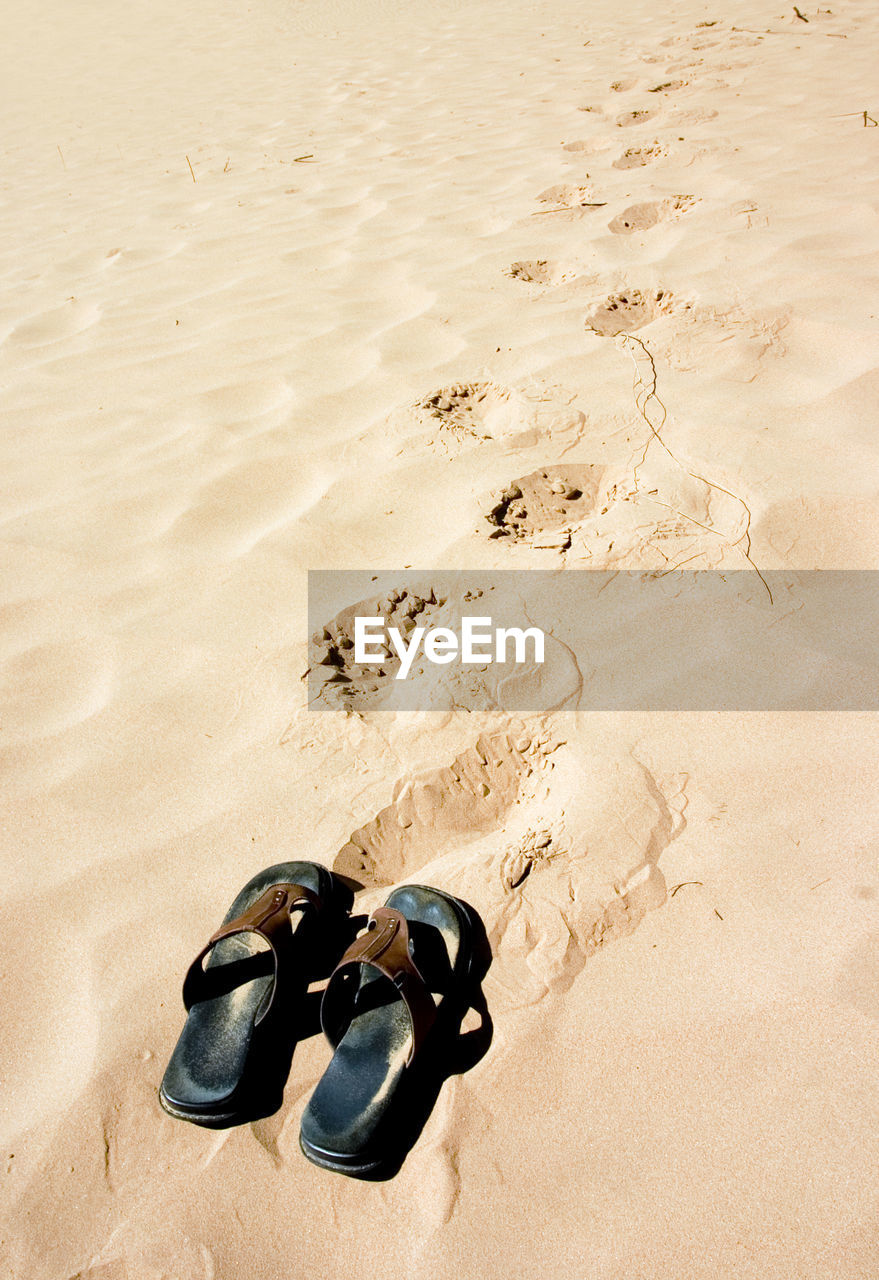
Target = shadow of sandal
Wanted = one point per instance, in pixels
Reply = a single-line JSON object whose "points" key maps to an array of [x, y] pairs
{"points": [[394, 1009]]}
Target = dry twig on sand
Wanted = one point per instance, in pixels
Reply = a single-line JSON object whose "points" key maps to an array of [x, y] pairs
{"points": [[831, 35], [569, 208], [645, 392], [869, 122]]}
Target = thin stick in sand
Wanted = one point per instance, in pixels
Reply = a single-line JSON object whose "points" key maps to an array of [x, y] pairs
{"points": [[683, 885]]}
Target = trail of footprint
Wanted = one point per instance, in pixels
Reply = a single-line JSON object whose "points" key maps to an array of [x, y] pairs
{"points": [[521, 515], [465, 415], [668, 86], [332, 650], [567, 198], [629, 118], [470, 796], [541, 508], [540, 271], [633, 309], [479, 410], [557, 849], [640, 217], [336, 680], [637, 157]]}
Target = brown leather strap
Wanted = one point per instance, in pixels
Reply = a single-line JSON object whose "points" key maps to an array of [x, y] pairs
{"points": [[269, 917], [385, 947]]}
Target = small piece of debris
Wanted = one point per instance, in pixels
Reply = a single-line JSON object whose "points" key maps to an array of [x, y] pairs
{"points": [[683, 885]]}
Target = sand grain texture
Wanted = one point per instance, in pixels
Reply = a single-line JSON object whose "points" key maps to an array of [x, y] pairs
{"points": [[298, 286]]}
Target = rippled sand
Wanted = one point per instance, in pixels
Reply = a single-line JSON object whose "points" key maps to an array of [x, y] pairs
{"points": [[288, 287]]}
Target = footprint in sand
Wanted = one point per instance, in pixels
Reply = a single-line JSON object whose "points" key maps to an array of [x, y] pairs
{"points": [[555, 845], [623, 86], [637, 157], [668, 86], [541, 271], [631, 309], [475, 412], [640, 217], [564, 193], [729, 339], [470, 415], [565, 197], [541, 508], [402, 677], [331, 651], [629, 118], [476, 409], [466, 799]]}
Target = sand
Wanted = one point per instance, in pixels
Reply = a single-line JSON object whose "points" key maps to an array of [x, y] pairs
{"points": [[288, 287]]}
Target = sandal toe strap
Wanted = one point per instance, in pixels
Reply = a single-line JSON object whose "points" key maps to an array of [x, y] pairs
{"points": [[269, 917], [385, 947]]}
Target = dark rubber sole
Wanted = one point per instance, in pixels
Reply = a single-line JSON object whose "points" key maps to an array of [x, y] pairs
{"points": [[335, 1164], [207, 1119]]}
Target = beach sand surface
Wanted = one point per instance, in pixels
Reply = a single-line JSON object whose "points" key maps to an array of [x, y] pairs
{"points": [[288, 287]]}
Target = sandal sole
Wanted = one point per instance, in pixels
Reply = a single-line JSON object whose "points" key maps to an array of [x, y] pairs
{"points": [[473, 972]]}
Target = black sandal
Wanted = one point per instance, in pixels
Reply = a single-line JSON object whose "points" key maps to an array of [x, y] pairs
{"points": [[379, 1011], [231, 1060]]}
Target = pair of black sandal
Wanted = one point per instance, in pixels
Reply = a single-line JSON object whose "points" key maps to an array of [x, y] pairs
{"points": [[246, 995]]}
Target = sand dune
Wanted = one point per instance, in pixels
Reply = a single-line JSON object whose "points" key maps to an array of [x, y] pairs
{"points": [[367, 286]]}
